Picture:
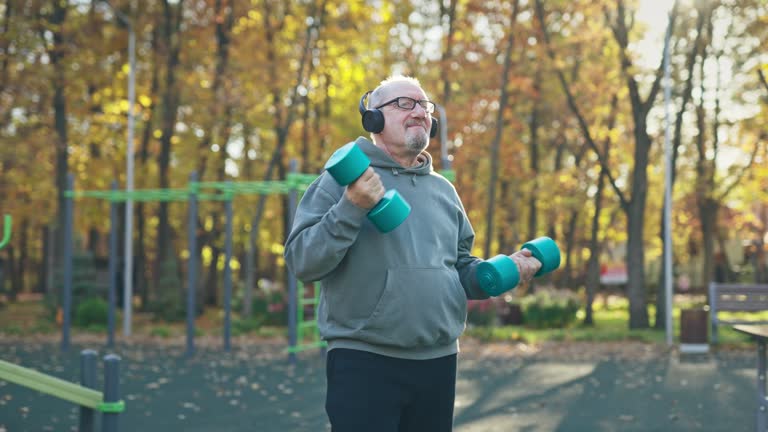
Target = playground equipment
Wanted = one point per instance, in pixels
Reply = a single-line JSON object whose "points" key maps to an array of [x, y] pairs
{"points": [[195, 192], [346, 165], [500, 274], [7, 222], [107, 402]]}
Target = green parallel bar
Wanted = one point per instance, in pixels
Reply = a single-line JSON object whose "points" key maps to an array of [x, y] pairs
{"points": [[300, 313], [111, 407], [227, 189], [6, 231], [298, 348], [135, 195], [316, 342], [450, 175], [318, 338], [214, 197], [300, 181], [294, 181], [47, 384]]}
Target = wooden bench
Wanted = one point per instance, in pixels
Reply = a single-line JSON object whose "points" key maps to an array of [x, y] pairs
{"points": [[736, 298]]}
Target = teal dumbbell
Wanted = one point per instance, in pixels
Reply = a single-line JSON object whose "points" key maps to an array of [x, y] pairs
{"points": [[345, 166], [500, 274]]}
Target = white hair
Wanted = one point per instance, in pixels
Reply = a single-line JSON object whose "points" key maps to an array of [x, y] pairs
{"points": [[378, 95]]}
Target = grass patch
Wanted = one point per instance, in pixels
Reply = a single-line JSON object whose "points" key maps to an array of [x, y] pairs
{"points": [[611, 324], [610, 315]]}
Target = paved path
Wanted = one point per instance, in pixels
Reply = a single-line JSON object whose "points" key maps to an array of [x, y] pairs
{"points": [[501, 388]]}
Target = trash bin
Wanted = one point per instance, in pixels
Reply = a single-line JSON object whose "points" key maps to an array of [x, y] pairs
{"points": [[693, 330]]}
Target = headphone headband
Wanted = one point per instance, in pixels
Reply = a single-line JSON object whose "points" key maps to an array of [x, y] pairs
{"points": [[361, 107]]}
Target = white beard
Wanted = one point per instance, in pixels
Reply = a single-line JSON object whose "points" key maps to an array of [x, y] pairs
{"points": [[416, 142]]}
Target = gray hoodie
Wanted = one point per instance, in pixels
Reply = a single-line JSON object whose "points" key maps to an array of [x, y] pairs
{"points": [[402, 294]]}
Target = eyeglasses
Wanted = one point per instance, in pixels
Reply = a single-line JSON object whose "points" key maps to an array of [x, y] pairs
{"points": [[406, 103]]}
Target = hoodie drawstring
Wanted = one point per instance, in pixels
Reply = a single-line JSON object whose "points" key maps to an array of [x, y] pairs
{"points": [[396, 173]]}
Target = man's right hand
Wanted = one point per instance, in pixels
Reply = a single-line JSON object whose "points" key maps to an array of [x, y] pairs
{"points": [[367, 190]]}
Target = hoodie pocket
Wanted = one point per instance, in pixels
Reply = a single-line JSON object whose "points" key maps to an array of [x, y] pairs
{"points": [[420, 307]]}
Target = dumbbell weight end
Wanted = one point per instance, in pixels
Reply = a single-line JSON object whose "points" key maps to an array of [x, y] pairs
{"points": [[498, 275], [347, 164], [546, 251], [390, 211]]}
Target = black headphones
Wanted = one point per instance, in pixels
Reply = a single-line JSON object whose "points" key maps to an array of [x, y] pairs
{"points": [[373, 119]]}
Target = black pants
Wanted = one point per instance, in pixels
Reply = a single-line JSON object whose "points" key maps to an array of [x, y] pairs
{"points": [[373, 393]]}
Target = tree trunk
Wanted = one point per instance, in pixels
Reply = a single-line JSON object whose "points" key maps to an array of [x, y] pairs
{"points": [[447, 12], [142, 259], [211, 293], [638, 305], [56, 54], [494, 156], [170, 42], [593, 264], [283, 120], [533, 149]]}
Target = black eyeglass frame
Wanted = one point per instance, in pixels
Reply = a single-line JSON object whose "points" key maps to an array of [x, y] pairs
{"points": [[429, 108]]}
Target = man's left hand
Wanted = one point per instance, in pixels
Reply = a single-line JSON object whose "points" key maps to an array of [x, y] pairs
{"points": [[526, 264]]}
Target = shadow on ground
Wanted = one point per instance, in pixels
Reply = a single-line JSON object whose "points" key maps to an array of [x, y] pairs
{"points": [[255, 388]]}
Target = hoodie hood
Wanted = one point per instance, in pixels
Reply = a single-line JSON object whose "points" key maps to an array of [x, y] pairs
{"points": [[380, 158]]}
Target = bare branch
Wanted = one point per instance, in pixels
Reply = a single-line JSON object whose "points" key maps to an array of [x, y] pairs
{"points": [[762, 78], [646, 106], [742, 172], [575, 109]]}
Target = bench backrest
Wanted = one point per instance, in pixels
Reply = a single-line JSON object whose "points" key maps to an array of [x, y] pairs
{"points": [[738, 297]]}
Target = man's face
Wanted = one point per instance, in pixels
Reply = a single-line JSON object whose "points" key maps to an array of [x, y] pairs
{"points": [[406, 129]]}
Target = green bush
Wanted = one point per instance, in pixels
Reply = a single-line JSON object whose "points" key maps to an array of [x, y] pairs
{"points": [[549, 308], [168, 304], [91, 312], [12, 329], [85, 284], [245, 326], [160, 331]]}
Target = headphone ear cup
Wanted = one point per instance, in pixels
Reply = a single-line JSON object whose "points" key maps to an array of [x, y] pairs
{"points": [[433, 129], [373, 121]]}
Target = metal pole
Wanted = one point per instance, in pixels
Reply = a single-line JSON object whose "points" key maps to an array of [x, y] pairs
{"points": [[129, 156], [66, 307], [109, 420], [128, 270], [228, 272], [293, 301], [445, 160], [113, 258], [192, 266], [667, 190], [762, 404], [87, 379]]}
